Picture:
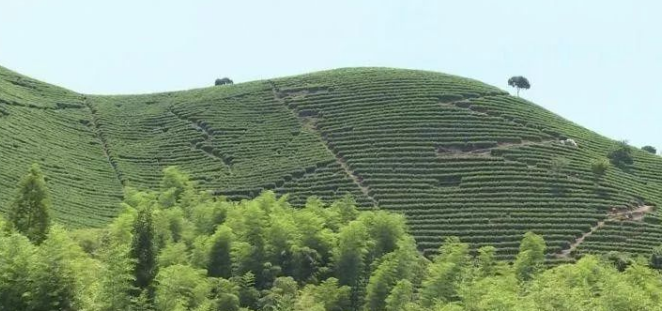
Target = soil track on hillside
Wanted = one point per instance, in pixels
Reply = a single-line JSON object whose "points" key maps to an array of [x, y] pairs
{"points": [[637, 214]]}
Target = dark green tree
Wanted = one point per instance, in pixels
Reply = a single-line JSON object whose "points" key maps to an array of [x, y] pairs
{"points": [[531, 256], [621, 154], [519, 82], [655, 260], [385, 229], [29, 213], [144, 252], [220, 259], [350, 257], [650, 149]]}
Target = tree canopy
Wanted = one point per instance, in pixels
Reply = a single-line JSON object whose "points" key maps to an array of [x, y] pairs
{"points": [[519, 82], [621, 154], [29, 213], [263, 254], [649, 149]]}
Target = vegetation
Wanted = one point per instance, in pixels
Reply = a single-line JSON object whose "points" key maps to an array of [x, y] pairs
{"points": [[621, 155], [649, 149], [455, 156], [223, 81], [519, 82], [29, 213], [263, 254], [599, 167]]}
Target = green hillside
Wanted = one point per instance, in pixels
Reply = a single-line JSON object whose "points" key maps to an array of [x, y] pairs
{"points": [[456, 156]]}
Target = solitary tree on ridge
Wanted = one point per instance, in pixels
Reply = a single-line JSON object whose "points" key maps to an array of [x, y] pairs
{"points": [[519, 82]]}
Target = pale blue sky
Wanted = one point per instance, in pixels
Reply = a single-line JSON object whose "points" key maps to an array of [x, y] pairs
{"points": [[597, 63]]}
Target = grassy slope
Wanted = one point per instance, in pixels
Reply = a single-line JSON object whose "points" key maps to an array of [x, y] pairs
{"points": [[458, 157]]}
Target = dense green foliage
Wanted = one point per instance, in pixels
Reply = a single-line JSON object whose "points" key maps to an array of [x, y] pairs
{"points": [[179, 249], [29, 213], [455, 156], [621, 155]]}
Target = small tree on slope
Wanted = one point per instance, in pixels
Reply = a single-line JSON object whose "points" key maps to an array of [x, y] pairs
{"points": [[519, 82], [29, 212]]}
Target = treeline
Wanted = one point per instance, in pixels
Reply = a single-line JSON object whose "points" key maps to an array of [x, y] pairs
{"points": [[181, 249]]}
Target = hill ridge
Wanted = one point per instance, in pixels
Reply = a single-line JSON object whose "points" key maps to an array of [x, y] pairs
{"points": [[454, 155]]}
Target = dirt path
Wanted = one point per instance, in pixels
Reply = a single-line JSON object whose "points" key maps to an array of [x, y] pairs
{"points": [[565, 253], [636, 214], [104, 143], [309, 123], [209, 138]]}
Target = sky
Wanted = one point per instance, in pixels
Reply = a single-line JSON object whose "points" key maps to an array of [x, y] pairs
{"points": [[597, 63]]}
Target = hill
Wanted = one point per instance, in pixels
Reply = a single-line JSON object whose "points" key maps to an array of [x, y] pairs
{"points": [[456, 156]]}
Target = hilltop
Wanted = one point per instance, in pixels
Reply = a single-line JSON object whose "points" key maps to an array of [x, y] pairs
{"points": [[456, 156]]}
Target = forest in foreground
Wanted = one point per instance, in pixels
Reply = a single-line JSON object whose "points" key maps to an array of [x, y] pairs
{"points": [[177, 248]]}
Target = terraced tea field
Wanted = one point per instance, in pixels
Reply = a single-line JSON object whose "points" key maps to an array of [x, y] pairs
{"points": [[456, 156]]}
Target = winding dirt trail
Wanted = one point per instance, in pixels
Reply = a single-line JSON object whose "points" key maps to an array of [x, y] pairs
{"points": [[311, 125], [636, 214], [208, 136], [98, 133]]}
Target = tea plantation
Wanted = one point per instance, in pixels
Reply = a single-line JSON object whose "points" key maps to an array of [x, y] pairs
{"points": [[456, 156]]}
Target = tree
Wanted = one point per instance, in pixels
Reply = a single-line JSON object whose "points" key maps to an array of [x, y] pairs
{"points": [[445, 273], [519, 82], [349, 257], [650, 149], [226, 294], [116, 279], [54, 275], [621, 154], [385, 229], [401, 264], [400, 296], [17, 256], [29, 213], [220, 260], [144, 251], [176, 188], [223, 81], [332, 296], [486, 262], [531, 256], [655, 260], [181, 287]]}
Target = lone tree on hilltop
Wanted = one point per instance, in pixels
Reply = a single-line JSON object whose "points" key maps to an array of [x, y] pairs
{"points": [[650, 149], [29, 212], [223, 81], [519, 82]]}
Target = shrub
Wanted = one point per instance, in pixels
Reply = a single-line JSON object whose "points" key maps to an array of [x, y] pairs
{"points": [[599, 167]]}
